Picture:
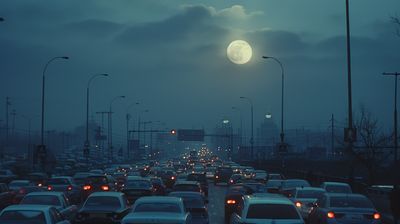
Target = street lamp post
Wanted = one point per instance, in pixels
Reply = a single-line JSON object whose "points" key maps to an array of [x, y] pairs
{"points": [[241, 123], [110, 146], [42, 148], [282, 135], [128, 117], [87, 143], [252, 125]]}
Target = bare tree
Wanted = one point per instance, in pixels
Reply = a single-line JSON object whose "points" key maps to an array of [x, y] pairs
{"points": [[396, 21]]}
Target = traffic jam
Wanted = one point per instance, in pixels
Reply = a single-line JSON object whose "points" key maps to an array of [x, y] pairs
{"points": [[178, 190]]}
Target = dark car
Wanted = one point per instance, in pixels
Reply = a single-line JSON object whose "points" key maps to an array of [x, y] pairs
{"points": [[202, 179], [233, 197], [289, 185], [80, 178], [158, 186], [67, 186], [193, 186], [95, 183], [38, 179], [24, 191], [6, 196], [168, 177], [222, 175], [195, 204], [136, 187], [6, 176], [103, 207], [235, 178]]}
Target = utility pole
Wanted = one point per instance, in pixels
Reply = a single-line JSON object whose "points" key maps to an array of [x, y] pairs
{"points": [[333, 135], [8, 104], [13, 113], [128, 117], [395, 140]]}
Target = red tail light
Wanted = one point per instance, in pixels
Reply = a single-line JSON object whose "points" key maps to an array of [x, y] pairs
{"points": [[105, 188], [49, 188], [377, 216], [69, 188], [87, 187], [298, 204], [330, 215], [21, 191], [230, 202]]}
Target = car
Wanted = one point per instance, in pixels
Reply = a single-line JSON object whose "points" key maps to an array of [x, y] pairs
{"points": [[335, 208], [195, 204], [210, 171], [202, 179], [187, 186], [97, 171], [158, 209], [233, 196], [39, 179], [136, 187], [158, 186], [6, 176], [24, 191], [273, 186], [66, 185], [222, 175], [55, 199], [290, 184], [260, 175], [15, 185], [38, 214], [6, 196], [103, 207], [275, 176], [168, 176], [305, 197], [235, 178], [336, 187], [266, 208], [95, 183]]}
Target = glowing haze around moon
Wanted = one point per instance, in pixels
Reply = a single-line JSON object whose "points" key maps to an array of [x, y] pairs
{"points": [[239, 52]]}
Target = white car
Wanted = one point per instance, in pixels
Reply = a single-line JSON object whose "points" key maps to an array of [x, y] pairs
{"points": [[336, 187], [266, 209], [38, 214], [158, 209], [260, 175]]}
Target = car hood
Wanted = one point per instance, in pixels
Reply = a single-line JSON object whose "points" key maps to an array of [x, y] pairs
{"points": [[154, 217]]}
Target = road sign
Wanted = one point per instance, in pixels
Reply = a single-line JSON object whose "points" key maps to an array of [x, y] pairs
{"points": [[196, 135]]}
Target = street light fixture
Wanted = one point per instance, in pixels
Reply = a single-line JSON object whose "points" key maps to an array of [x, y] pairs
{"points": [[41, 147], [110, 126], [252, 125], [86, 145], [282, 135]]}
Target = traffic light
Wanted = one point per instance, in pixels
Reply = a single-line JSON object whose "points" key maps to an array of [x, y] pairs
{"points": [[173, 132]]}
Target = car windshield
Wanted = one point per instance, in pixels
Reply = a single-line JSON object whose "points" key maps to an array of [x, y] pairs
{"points": [[22, 217], [138, 184], [58, 181], [193, 202], [338, 189], [272, 211], [350, 202], [310, 194], [158, 207], [41, 200], [103, 201]]}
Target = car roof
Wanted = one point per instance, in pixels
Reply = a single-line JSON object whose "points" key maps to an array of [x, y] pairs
{"points": [[20, 181], [187, 193], [136, 178], [108, 193], [311, 188], [345, 195], [159, 199], [27, 207], [336, 183], [266, 198], [186, 182], [53, 193]]}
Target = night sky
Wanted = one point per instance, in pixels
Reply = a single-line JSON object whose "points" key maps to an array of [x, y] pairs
{"points": [[171, 57]]}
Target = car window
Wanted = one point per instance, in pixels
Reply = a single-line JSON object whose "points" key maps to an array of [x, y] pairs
{"points": [[25, 216], [58, 181], [186, 187], [41, 200], [309, 194], [272, 211], [338, 189], [103, 201], [97, 180], [138, 184], [158, 207], [350, 202]]}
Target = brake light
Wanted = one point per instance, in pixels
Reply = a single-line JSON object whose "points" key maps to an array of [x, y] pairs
{"points": [[377, 216], [330, 215], [69, 188], [231, 181], [87, 187], [49, 188], [21, 191], [172, 178], [105, 188], [231, 202], [216, 177], [298, 204]]}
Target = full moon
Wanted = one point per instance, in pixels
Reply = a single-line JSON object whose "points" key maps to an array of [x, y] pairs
{"points": [[239, 52]]}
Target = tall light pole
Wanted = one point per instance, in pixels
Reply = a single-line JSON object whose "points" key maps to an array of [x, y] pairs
{"points": [[395, 140], [128, 117], [86, 145], [139, 122], [110, 146], [282, 135], [252, 125], [42, 148], [241, 123]]}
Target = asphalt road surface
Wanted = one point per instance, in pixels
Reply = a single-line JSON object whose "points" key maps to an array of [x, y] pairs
{"points": [[216, 196]]}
